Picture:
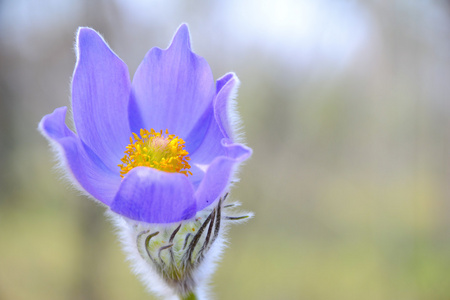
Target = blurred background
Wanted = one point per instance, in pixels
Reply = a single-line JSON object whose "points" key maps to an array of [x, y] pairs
{"points": [[345, 103]]}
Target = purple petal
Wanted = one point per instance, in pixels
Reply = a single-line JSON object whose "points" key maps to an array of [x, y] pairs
{"points": [[155, 196], [172, 88], [86, 167], [100, 97], [197, 175], [210, 145], [226, 89], [205, 127], [204, 141], [219, 174], [223, 80]]}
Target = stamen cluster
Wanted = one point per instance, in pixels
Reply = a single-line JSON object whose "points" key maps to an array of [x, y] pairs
{"points": [[156, 150]]}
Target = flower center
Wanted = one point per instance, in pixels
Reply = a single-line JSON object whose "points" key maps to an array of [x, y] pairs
{"points": [[156, 150]]}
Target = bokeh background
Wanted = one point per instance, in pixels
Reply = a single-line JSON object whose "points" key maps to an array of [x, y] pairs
{"points": [[345, 103]]}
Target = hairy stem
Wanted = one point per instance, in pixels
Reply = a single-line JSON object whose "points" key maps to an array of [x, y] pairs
{"points": [[190, 296]]}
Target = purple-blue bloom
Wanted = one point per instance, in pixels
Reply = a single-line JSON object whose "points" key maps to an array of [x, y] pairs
{"points": [[172, 89]]}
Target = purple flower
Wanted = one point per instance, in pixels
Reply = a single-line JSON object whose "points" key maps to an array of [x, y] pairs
{"points": [[172, 90]]}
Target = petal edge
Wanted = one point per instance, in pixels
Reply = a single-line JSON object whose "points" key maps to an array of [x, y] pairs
{"points": [[86, 171], [220, 173]]}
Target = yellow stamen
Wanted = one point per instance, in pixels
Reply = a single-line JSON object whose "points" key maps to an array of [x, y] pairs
{"points": [[156, 150]]}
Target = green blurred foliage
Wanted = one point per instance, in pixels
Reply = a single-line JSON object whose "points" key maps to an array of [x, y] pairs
{"points": [[348, 181]]}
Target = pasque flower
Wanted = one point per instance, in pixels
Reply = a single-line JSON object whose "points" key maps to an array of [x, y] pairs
{"points": [[172, 90], [160, 149]]}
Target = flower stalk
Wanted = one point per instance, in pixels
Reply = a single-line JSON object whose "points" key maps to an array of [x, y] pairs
{"points": [[190, 296]]}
